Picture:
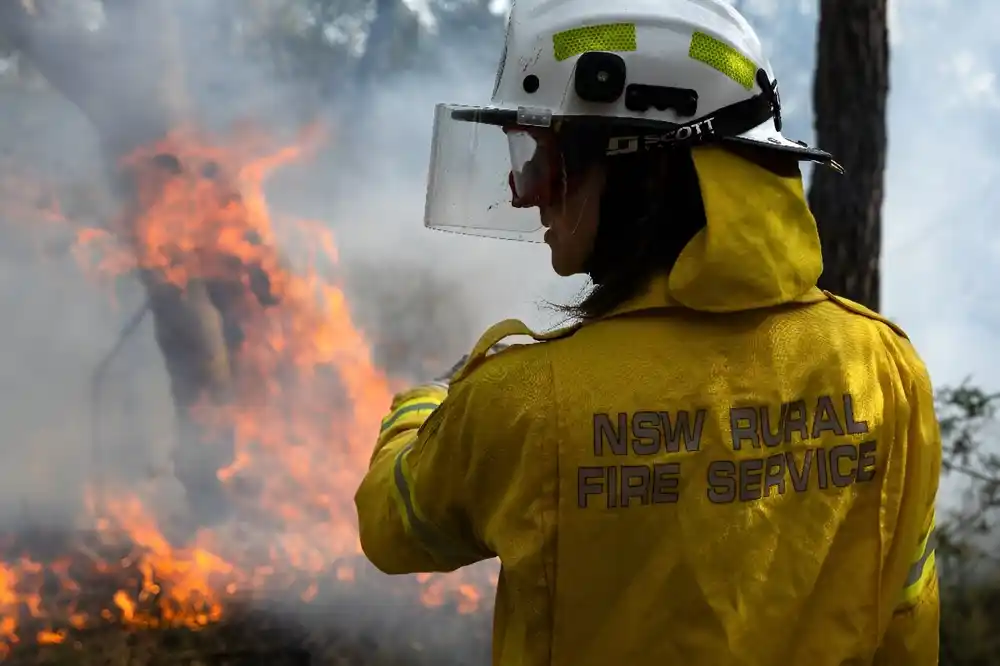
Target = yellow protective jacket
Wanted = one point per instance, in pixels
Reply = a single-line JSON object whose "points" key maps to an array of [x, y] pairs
{"points": [[735, 468]]}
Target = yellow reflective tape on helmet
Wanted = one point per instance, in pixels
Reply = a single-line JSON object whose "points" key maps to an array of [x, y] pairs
{"points": [[414, 407], [921, 571], [446, 550], [724, 58], [610, 37]]}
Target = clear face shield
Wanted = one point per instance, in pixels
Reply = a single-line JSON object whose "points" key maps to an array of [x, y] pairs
{"points": [[486, 178]]}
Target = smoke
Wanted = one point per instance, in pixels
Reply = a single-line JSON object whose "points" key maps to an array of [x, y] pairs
{"points": [[423, 297], [434, 291], [57, 325], [473, 282]]}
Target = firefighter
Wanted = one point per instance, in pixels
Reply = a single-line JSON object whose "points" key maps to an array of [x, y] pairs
{"points": [[717, 462]]}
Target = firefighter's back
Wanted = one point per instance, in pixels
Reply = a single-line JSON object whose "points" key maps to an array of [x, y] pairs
{"points": [[730, 489]]}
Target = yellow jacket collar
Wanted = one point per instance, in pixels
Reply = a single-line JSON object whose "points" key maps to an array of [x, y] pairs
{"points": [[657, 295], [759, 248]]}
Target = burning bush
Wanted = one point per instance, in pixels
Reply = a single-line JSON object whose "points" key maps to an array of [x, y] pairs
{"points": [[285, 426]]}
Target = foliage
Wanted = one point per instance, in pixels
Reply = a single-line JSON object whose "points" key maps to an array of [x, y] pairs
{"points": [[967, 537]]}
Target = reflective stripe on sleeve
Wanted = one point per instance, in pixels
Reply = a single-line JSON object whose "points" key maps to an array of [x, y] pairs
{"points": [[922, 569], [444, 547], [415, 406]]}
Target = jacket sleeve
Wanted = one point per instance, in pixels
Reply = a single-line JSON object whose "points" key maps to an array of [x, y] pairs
{"points": [[912, 637], [412, 514]]}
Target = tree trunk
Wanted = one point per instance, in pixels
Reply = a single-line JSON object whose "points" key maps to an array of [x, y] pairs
{"points": [[128, 80], [850, 91]]}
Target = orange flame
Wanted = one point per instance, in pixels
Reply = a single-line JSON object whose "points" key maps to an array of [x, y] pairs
{"points": [[305, 409]]}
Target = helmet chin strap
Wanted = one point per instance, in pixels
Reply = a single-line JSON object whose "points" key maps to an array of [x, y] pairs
{"points": [[586, 200], [579, 215], [596, 264]]}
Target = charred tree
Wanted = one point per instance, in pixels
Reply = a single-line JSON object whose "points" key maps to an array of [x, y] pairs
{"points": [[850, 91], [127, 79]]}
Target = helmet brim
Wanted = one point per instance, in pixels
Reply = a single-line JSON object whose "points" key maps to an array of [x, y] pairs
{"points": [[765, 136]]}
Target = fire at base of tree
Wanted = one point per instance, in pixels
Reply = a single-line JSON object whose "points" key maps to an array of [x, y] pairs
{"points": [[298, 406], [275, 390]]}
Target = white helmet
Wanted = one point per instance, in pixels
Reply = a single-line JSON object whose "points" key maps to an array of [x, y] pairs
{"points": [[643, 74]]}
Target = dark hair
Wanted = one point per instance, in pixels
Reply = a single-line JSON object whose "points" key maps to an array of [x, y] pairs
{"points": [[650, 210]]}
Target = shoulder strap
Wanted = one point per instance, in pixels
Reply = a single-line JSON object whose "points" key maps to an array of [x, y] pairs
{"points": [[502, 330], [859, 309]]}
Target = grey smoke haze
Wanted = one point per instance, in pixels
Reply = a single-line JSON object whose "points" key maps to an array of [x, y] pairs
{"points": [[423, 296], [429, 291]]}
